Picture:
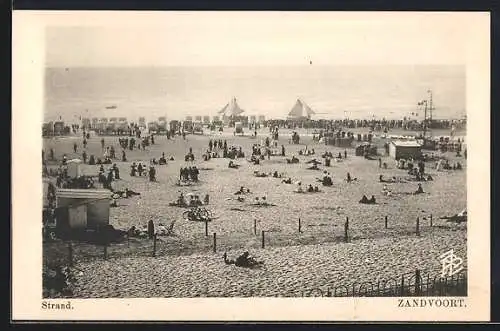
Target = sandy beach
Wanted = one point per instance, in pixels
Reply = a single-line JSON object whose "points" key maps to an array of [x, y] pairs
{"points": [[185, 266]]}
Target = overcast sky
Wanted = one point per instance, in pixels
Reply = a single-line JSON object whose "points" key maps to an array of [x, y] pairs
{"points": [[254, 38]]}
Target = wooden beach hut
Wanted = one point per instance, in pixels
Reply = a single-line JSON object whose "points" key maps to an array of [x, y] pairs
{"points": [[405, 149], [81, 208]]}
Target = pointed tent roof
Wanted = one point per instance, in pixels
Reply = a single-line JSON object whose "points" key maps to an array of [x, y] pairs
{"points": [[231, 109], [301, 109]]}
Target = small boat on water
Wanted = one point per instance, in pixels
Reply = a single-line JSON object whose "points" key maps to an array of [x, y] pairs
{"points": [[111, 107]]}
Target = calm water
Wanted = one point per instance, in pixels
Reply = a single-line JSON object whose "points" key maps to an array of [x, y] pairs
{"points": [[175, 92]]}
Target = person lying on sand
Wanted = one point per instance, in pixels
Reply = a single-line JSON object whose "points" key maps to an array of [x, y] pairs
{"points": [[287, 181], [292, 160], [313, 167], [245, 260], [242, 190], [233, 165], [259, 174]]}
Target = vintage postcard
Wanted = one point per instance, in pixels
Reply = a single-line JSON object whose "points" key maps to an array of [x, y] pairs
{"points": [[244, 166]]}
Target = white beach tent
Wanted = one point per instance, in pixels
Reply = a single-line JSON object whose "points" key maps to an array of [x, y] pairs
{"points": [[231, 109], [300, 111]]}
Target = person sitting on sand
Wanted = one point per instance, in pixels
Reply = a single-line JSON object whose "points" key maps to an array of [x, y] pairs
{"points": [[139, 169], [114, 203], [310, 189], [372, 200], [364, 199], [287, 181], [206, 200], [292, 160], [429, 178], [162, 160], [339, 156], [327, 180], [349, 179], [419, 190], [316, 189], [299, 188]]}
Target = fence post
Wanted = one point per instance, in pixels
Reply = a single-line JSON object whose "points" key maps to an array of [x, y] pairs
{"points": [[105, 251], [154, 245], [70, 254], [346, 230], [386, 221], [417, 230], [300, 226], [417, 282], [255, 226], [431, 220], [263, 240], [215, 242], [206, 228]]}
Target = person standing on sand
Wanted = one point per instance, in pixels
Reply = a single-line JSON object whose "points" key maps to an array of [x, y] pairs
{"points": [[380, 162], [102, 144], [84, 157], [75, 146], [345, 153], [84, 143]]}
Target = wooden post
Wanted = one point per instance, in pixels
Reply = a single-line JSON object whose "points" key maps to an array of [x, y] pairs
{"points": [[255, 226], [417, 282], [300, 226], [105, 251], [215, 242], [154, 245], [70, 254], [263, 240], [386, 221], [128, 240], [206, 228], [346, 230], [402, 285], [418, 227], [431, 220]]}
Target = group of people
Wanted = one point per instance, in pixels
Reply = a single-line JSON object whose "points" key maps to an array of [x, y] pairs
{"points": [[310, 188], [189, 174], [217, 144], [106, 179], [139, 169], [194, 200]]}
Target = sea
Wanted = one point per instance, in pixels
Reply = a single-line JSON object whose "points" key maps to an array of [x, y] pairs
{"points": [[336, 92]]}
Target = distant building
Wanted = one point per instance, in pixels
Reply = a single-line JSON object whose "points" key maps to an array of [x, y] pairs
{"points": [[404, 149]]}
